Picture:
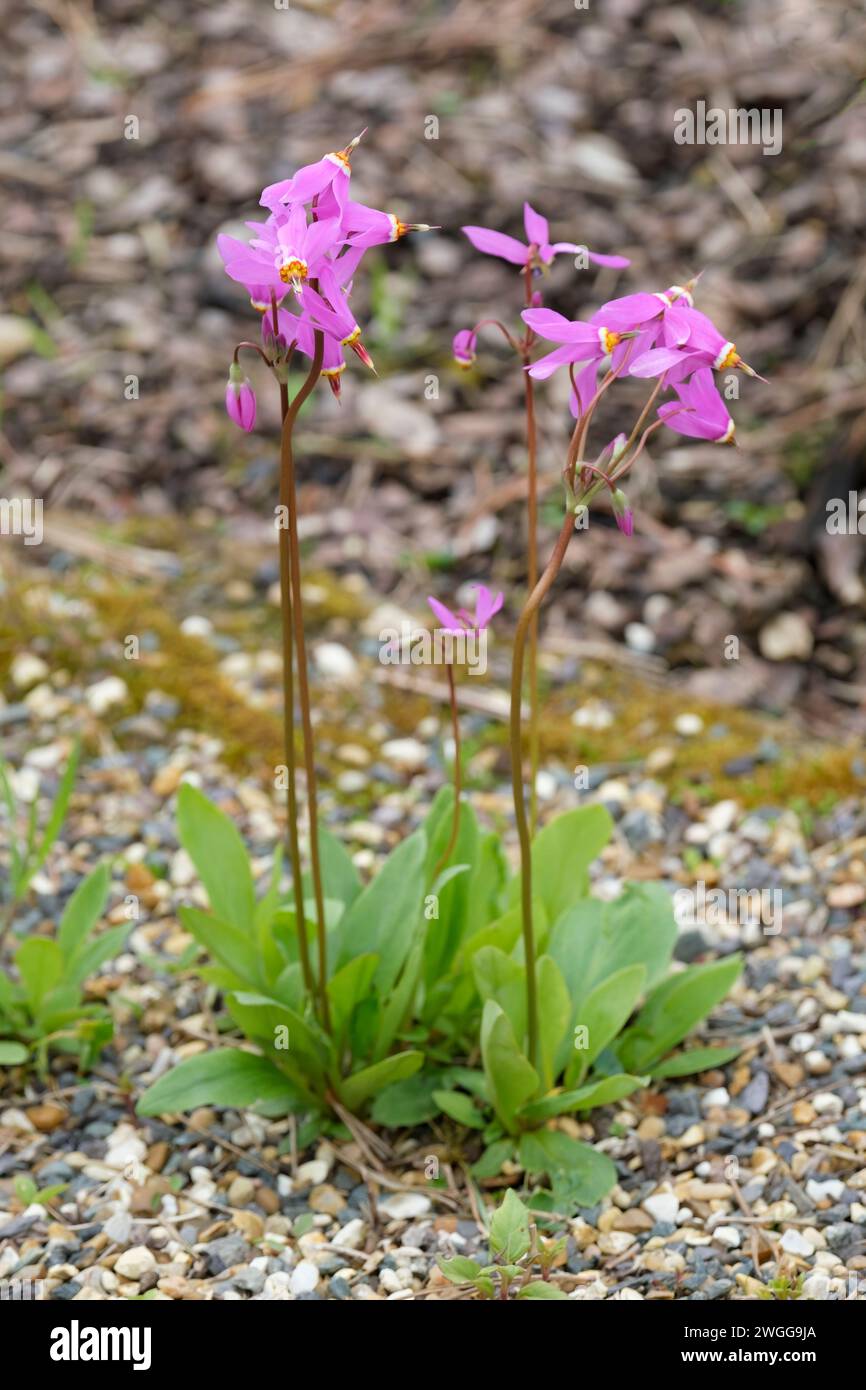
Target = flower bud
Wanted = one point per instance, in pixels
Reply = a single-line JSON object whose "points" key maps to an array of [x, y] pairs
{"points": [[622, 512], [463, 347], [240, 399]]}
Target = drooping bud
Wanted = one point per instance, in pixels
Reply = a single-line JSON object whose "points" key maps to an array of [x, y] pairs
{"points": [[622, 512], [240, 399], [463, 347]]}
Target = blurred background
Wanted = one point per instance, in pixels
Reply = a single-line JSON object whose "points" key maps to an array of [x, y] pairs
{"points": [[133, 134]]}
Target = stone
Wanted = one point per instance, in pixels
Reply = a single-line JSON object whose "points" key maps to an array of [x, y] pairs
{"points": [[662, 1206], [105, 695], [793, 1243], [407, 754], [786, 637], [46, 1117], [134, 1263], [728, 1236], [28, 669], [304, 1278], [326, 1199], [405, 1206], [335, 662]]}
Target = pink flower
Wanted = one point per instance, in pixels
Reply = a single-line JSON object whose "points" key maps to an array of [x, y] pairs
{"points": [[623, 514], [463, 347], [330, 173], [581, 342], [538, 250], [289, 251], [701, 412], [337, 322], [240, 399], [486, 607]]}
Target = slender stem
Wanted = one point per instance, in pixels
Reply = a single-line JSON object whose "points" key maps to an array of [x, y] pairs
{"points": [[287, 465], [289, 724], [455, 729], [524, 623], [532, 559]]}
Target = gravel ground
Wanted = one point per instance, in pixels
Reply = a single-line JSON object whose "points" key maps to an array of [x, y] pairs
{"points": [[742, 1182]]}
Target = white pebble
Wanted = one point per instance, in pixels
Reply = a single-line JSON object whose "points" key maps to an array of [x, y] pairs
{"points": [[828, 1103], [689, 725], [830, 1187], [304, 1278], [728, 1235], [195, 626], [793, 1243], [405, 1206], [106, 694], [27, 669], [335, 661], [718, 1096], [135, 1263], [662, 1206], [406, 753]]}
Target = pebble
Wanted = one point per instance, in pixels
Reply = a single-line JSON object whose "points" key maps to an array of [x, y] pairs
{"points": [[134, 1263], [335, 662], [793, 1243], [663, 1206], [688, 725], [106, 694], [405, 1206], [28, 669], [407, 754], [305, 1277], [786, 637]]}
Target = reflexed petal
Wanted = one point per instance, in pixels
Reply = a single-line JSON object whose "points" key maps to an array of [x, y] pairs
{"points": [[497, 244], [536, 226], [448, 621]]}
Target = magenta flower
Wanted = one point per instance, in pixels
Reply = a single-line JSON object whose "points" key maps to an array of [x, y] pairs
{"points": [[623, 514], [537, 251], [331, 173], [463, 347], [701, 413], [240, 399], [487, 605], [336, 322], [581, 342], [289, 251]]}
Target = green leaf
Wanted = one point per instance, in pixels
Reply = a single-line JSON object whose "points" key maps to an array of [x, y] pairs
{"points": [[603, 1013], [40, 964], [539, 1289], [386, 917], [25, 1189], [227, 944], [57, 814], [576, 1168], [340, 879], [698, 1059], [262, 1019], [460, 1107], [217, 850], [500, 978], [357, 1089], [12, 1054], [408, 1102], [509, 1229], [510, 1077], [398, 1005], [561, 855], [227, 1077], [604, 1092], [94, 955], [460, 1270], [489, 1165], [83, 911], [554, 1013], [347, 988], [673, 1009]]}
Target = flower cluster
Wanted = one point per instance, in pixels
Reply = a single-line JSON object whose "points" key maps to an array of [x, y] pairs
{"points": [[659, 335], [298, 269]]}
